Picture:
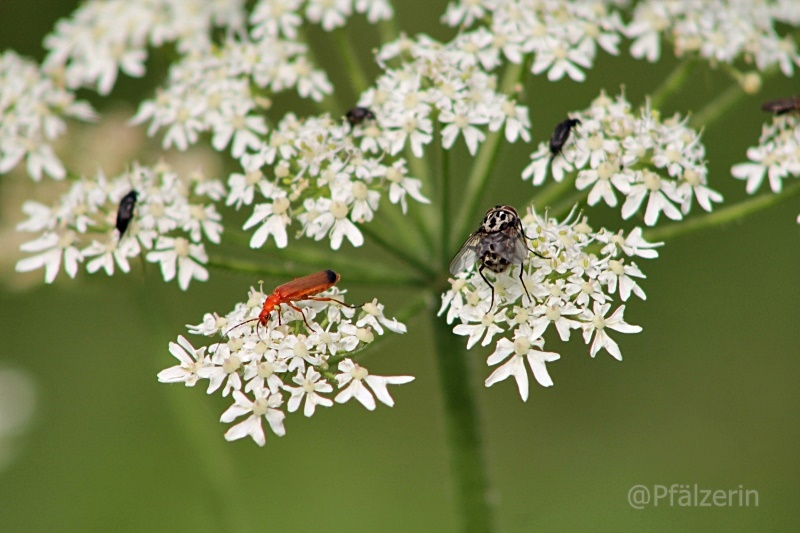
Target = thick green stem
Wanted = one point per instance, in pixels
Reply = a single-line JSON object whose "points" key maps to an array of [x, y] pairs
{"points": [[467, 454], [672, 84], [722, 216]]}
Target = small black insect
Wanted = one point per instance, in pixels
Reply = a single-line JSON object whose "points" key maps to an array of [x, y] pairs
{"points": [[497, 244], [781, 106], [357, 115], [561, 136], [125, 212]]}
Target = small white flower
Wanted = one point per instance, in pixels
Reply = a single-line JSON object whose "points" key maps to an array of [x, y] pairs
{"points": [[191, 361], [309, 386], [180, 256], [53, 247], [597, 324], [355, 377], [523, 347], [265, 405]]}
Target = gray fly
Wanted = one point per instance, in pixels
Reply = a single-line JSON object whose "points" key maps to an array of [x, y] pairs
{"points": [[497, 244]]}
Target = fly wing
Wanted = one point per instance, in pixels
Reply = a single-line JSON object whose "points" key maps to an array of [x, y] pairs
{"points": [[508, 244], [467, 255], [520, 249]]}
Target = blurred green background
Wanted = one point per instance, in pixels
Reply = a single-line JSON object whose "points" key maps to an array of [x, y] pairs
{"points": [[706, 395]]}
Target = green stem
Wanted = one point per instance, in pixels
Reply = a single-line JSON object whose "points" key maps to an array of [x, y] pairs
{"points": [[328, 104], [423, 217], [356, 75], [445, 207], [566, 205], [467, 455], [552, 192], [397, 252], [405, 314], [722, 216], [485, 160], [672, 84], [717, 107], [355, 273], [388, 31]]}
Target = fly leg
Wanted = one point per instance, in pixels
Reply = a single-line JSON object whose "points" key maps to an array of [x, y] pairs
{"points": [[480, 271]]}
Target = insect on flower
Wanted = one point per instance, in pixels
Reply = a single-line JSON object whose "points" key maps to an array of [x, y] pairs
{"points": [[497, 244], [560, 136], [781, 106], [125, 212], [357, 115], [304, 288]]}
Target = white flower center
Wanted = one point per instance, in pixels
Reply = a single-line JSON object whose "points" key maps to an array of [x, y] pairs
{"points": [[692, 176], [359, 372], [280, 205], [365, 335], [231, 364], [360, 190], [66, 240], [599, 322], [300, 349], [181, 247], [339, 209], [197, 212], [522, 345], [651, 180], [595, 142], [260, 406], [265, 369], [394, 175], [605, 170], [253, 177], [157, 209], [553, 313]]}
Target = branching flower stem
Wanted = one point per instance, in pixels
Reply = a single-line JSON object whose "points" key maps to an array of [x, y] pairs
{"points": [[358, 274], [722, 216], [672, 84], [485, 161]]}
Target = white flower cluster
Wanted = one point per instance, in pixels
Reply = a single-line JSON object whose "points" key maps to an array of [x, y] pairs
{"points": [[574, 283], [32, 111], [285, 16], [325, 174], [212, 92], [172, 217], [719, 31], [635, 154], [562, 37], [776, 157], [102, 37], [272, 369], [438, 82]]}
